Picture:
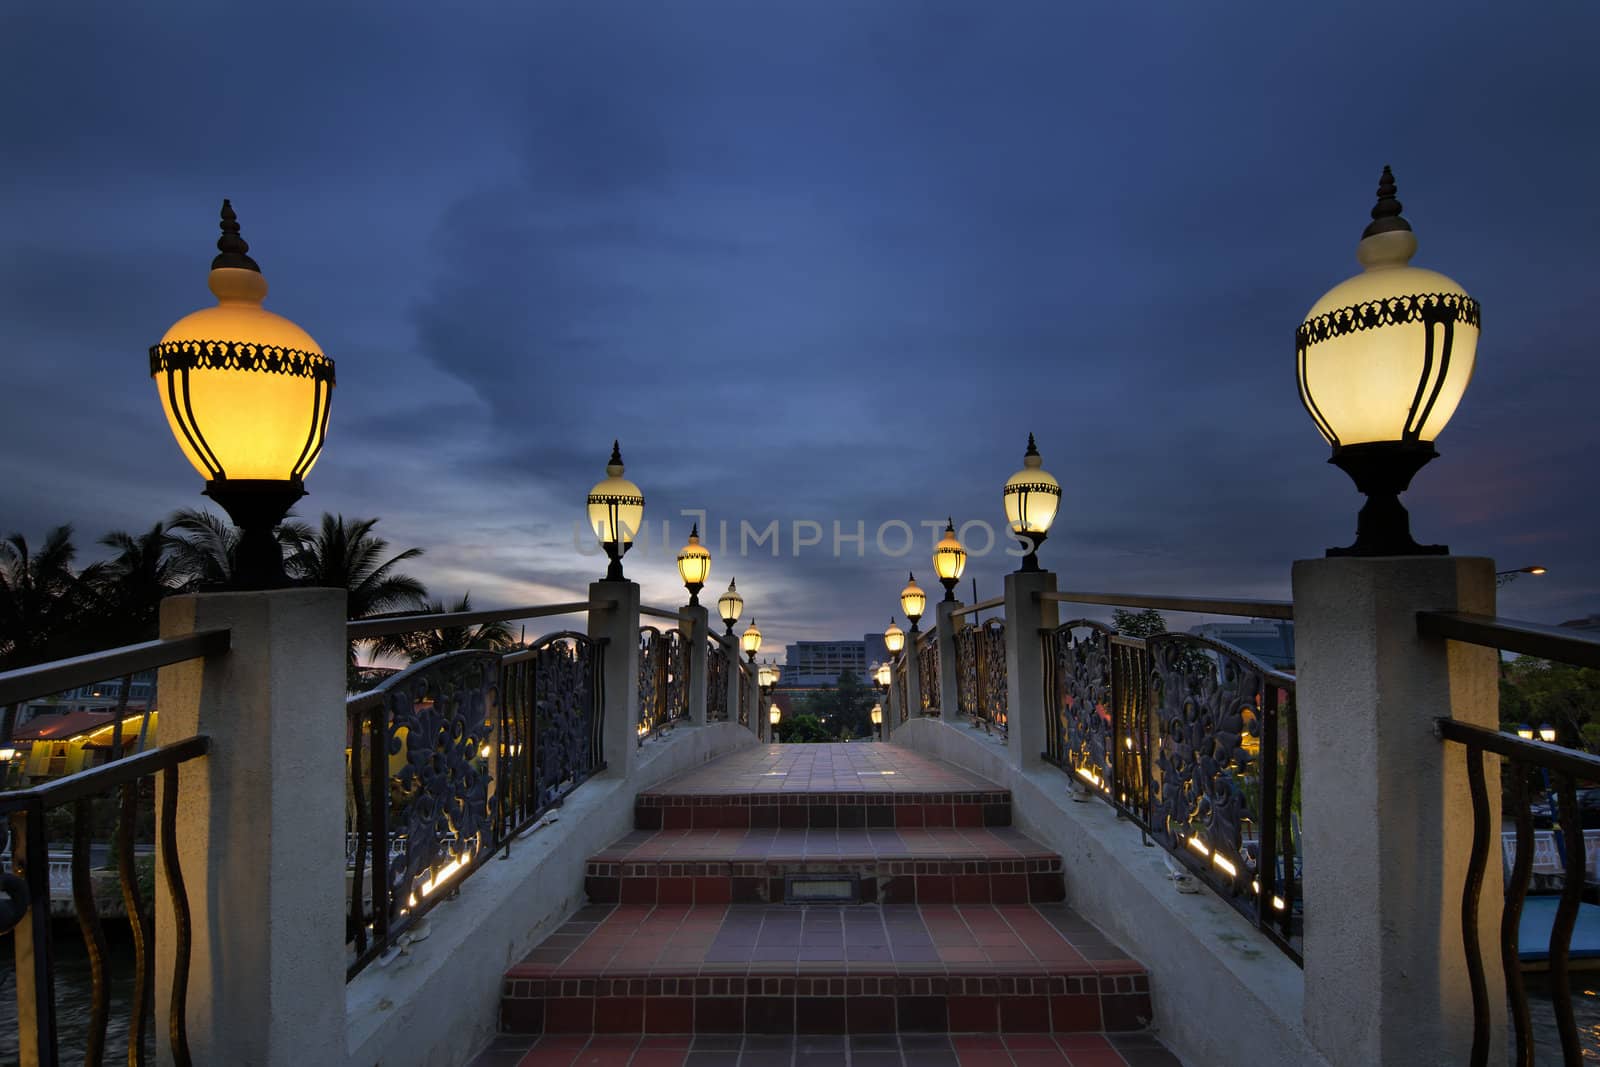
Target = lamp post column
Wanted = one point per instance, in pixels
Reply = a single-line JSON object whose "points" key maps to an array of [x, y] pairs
{"points": [[1388, 820], [618, 627], [891, 717], [913, 679], [1026, 616], [946, 697], [267, 904], [733, 677], [694, 627]]}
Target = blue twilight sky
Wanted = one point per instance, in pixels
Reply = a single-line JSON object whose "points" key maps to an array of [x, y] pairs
{"points": [[818, 261]]}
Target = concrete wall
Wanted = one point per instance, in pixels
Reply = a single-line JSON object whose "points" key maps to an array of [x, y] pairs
{"points": [[438, 1003], [1223, 994]]}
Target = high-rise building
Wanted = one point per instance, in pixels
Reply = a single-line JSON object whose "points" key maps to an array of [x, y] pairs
{"points": [[819, 663]]}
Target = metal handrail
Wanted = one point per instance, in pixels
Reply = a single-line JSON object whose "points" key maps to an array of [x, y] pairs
{"points": [[1511, 635], [1257, 609], [982, 605], [383, 626], [26, 683], [1538, 753], [663, 613]]}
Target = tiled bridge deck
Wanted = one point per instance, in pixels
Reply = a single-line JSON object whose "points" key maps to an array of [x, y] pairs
{"points": [[950, 944]]}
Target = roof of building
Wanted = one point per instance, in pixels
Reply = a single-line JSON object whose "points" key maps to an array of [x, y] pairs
{"points": [[61, 727]]}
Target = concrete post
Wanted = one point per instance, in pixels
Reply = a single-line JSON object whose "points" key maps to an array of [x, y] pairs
{"points": [[752, 688], [735, 677], [947, 700], [1388, 823], [619, 627], [260, 829], [1026, 723], [693, 627], [913, 676], [891, 709]]}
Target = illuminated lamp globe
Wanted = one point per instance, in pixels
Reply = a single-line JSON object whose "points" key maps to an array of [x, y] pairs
{"points": [[894, 638], [883, 675], [751, 641], [694, 565], [767, 675], [949, 560], [729, 605], [913, 600], [877, 714], [774, 713], [1383, 359], [616, 513], [1032, 496], [246, 394], [1547, 733]]}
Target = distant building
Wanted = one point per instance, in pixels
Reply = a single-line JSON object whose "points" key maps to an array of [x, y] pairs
{"points": [[818, 664], [1269, 640], [101, 697]]}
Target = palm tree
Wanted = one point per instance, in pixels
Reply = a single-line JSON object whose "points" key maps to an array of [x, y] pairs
{"points": [[146, 569], [206, 547], [344, 554], [489, 636], [43, 605]]}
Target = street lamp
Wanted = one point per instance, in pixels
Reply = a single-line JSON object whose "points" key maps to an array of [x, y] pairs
{"points": [[1505, 577], [751, 641], [773, 715], [1383, 359], [912, 601], [1547, 733], [767, 675], [882, 676], [616, 512], [246, 394], [894, 638], [729, 605], [694, 565], [1032, 496], [949, 560], [877, 719]]}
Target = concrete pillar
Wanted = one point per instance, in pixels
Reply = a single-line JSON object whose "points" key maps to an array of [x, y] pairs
{"points": [[619, 627], [693, 627], [913, 677], [260, 829], [1025, 663], [734, 677], [1388, 823], [948, 624]]}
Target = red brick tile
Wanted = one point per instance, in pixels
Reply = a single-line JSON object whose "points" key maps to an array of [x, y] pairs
{"points": [[669, 1015], [977, 1015], [1025, 1014], [1080, 1013], [712, 892], [569, 1015], [619, 1015], [675, 892], [639, 891], [870, 1015]]}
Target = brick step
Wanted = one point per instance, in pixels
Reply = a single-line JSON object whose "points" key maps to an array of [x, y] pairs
{"points": [[819, 811], [685, 868], [773, 969]]}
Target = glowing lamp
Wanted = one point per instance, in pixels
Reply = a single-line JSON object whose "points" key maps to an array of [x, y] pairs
{"points": [[1383, 359], [877, 714], [751, 641], [729, 605], [1525, 732], [774, 713], [767, 675], [694, 564], [616, 511], [246, 394], [894, 638], [883, 675], [949, 560], [913, 600], [1032, 496], [1547, 733]]}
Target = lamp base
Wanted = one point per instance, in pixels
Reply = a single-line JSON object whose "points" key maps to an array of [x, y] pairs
{"points": [[1382, 470], [949, 589], [1030, 562], [257, 507], [616, 552]]}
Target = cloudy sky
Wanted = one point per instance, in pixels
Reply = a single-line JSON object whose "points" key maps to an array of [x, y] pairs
{"points": [[824, 261]]}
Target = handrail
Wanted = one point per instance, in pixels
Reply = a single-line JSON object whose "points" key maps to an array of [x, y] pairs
{"points": [[365, 629], [1580, 765], [1511, 635], [25, 683], [982, 605], [97, 780], [663, 613], [1258, 609]]}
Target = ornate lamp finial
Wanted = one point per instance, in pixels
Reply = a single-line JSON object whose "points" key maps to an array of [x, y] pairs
{"points": [[1386, 212], [231, 248]]}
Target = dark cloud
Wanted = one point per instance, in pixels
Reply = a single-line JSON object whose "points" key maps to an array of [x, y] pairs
{"points": [[815, 262]]}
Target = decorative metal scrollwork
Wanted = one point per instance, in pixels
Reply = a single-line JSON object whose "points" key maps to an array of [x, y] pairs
{"points": [[1390, 311], [663, 679], [902, 682], [235, 355], [744, 696], [442, 720], [15, 906], [966, 642], [928, 673], [993, 696], [716, 681], [1082, 736]]}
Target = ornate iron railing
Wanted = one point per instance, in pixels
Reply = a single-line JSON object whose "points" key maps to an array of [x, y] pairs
{"points": [[663, 680], [116, 798], [716, 681], [746, 684], [1561, 770], [902, 683], [928, 672], [1194, 740], [981, 674], [474, 748]]}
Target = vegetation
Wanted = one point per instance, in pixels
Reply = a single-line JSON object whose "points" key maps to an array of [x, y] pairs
{"points": [[49, 610], [844, 711], [420, 645], [803, 729], [1146, 623], [1534, 692]]}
